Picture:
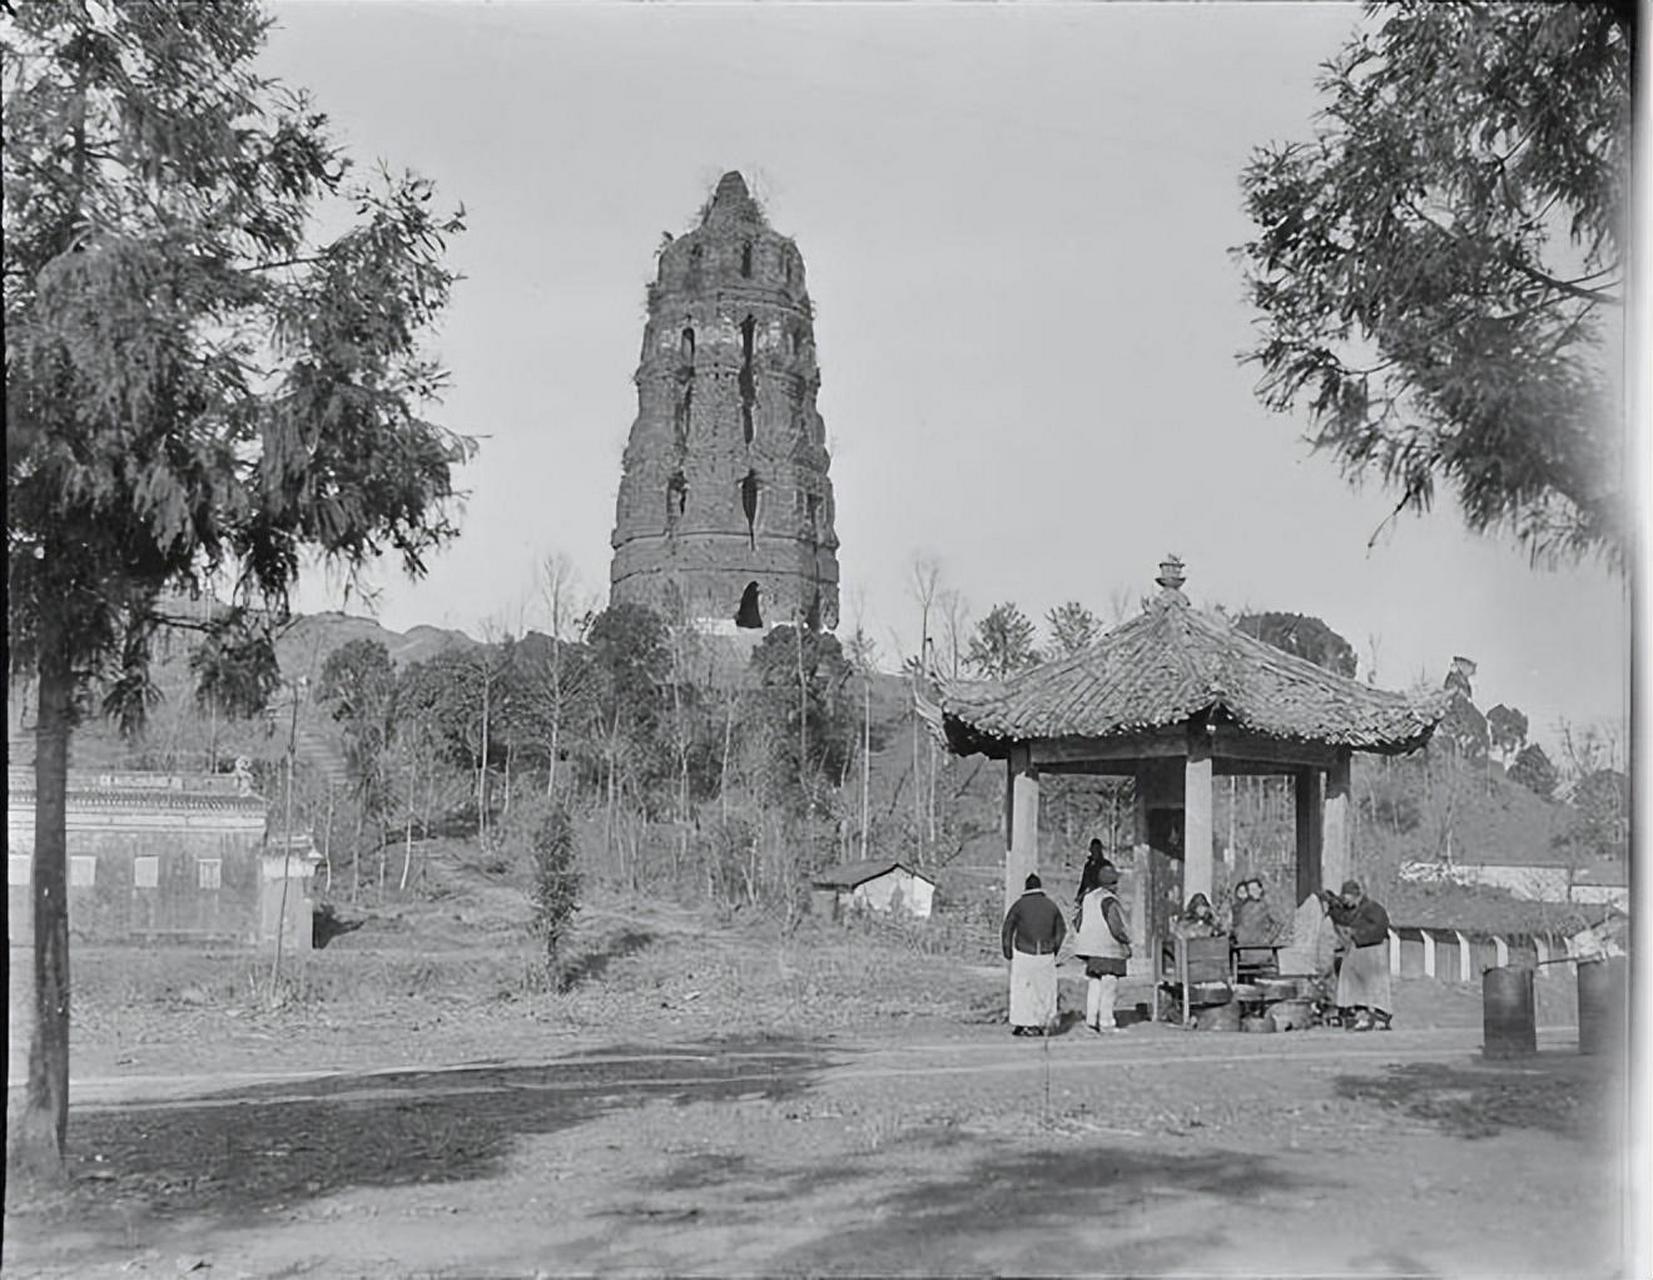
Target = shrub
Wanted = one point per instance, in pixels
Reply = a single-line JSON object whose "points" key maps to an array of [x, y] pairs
{"points": [[555, 884]]}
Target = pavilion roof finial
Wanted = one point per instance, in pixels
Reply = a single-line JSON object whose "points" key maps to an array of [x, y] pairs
{"points": [[1171, 575]]}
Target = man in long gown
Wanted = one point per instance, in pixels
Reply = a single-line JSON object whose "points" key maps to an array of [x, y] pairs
{"points": [[1032, 933]]}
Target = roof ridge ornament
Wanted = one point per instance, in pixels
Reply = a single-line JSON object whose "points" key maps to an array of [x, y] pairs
{"points": [[1171, 575]]}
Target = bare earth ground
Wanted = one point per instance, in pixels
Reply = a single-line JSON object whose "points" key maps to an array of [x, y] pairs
{"points": [[715, 1097]]}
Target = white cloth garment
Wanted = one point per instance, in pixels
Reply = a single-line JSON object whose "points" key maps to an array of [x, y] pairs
{"points": [[1032, 990], [1100, 996]]}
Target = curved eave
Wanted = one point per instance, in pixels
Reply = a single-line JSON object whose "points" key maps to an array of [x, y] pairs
{"points": [[966, 734]]}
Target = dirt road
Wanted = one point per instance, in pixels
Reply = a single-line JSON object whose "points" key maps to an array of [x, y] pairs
{"points": [[924, 1151]]}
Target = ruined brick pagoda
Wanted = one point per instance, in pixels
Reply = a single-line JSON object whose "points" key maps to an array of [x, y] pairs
{"points": [[725, 514]]}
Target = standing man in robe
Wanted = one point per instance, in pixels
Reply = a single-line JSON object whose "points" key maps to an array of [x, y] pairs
{"points": [[1032, 933]]}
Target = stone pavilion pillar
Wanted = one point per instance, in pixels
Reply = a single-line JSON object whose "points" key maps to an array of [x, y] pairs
{"points": [[1336, 823], [1197, 833], [1309, 820], [1021, 821]]}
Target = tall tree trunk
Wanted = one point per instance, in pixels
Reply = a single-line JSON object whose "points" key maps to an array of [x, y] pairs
{"points": [[608, 821], [286, 852], [918, 786], [37, 1127], [723, 773], [356, 849], [935, 765], [510, 748], [327, 840], [430, 800], [482, 770], [407, 839], [866, 758]]}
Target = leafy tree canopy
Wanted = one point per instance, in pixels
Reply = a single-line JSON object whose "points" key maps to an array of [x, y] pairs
{"points": [[1439, 271], [1602, 800], [1507, 727], [829, 722], [234, 665], [193, 383], [1534, 771], [632, 652], [358, 680], [1305, 636]]}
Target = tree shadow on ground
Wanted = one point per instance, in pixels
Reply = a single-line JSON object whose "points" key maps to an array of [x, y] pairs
{"points": [[1556, 1093], [594, 964], [1049, 1204], [233, 1155]]}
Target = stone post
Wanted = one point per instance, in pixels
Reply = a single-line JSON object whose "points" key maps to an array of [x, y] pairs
{"points": [[1197, 833], [1021, 822]]}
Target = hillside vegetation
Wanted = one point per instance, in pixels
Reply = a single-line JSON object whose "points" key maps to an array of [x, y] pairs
{"points": [[701, 794]]}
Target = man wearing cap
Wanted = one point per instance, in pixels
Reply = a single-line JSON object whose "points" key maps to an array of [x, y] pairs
{"points": [[1033, 932], [1363, 980], [1103, 941]]}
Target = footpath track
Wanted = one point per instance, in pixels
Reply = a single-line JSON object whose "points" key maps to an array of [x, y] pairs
{"points": [[717, 1067]]}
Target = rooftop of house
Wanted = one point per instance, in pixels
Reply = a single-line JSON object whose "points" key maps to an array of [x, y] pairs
{"points": [[847, 875], [1483, 910], [142, 790]]}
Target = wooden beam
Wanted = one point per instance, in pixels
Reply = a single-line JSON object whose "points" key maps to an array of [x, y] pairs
{"points": [[1307, 790], [1021, 857], [1225, 767], [1236, 744], [1336, 825], [1197, 833], [1094, 768], [1149, 745]]}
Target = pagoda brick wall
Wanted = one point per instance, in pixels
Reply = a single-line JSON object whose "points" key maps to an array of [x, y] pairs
{"points": [[724, 493]]}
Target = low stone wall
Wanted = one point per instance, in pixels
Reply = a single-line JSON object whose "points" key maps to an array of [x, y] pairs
{"points": [[1452, 955]]}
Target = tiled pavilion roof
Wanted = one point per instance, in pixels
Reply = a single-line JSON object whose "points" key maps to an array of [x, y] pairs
{"points": [[1169, 665]]}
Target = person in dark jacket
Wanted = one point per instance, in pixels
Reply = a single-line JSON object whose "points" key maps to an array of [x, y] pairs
{"points": [[1104, 943], [1363, 980], [1032, 933], [1254, 922]]}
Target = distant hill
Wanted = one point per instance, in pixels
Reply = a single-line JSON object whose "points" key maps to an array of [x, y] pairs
{"points": [[312, 637], [178, 729]]}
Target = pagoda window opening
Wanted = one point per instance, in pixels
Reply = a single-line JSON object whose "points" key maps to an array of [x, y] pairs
{"points": [[685, 344], [746, 260], [748, 385], [749, 487], [677, 497], [685, 407], [748, 615]]}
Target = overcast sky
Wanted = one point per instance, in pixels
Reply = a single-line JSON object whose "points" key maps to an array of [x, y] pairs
{"points": [[1016, 223]]}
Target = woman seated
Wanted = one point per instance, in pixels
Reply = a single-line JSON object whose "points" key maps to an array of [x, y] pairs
{"points": [[1197, 920], [1254, 922]]}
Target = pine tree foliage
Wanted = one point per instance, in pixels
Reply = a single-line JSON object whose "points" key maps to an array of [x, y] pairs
{"points": [[1003, 643], [1072, 627], [1439, 271], [194, 385], [202, 387]]}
